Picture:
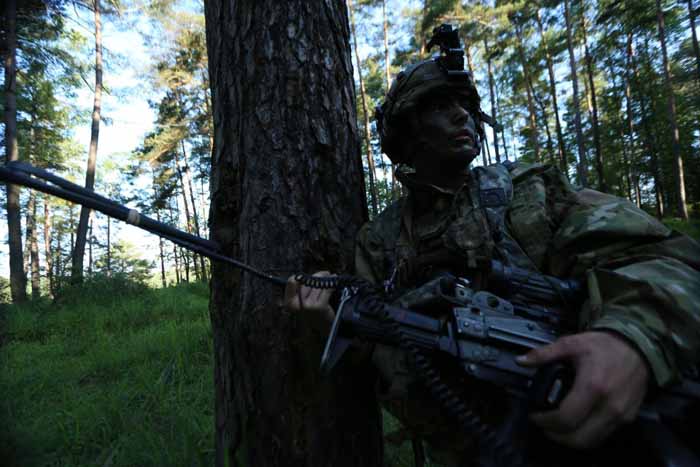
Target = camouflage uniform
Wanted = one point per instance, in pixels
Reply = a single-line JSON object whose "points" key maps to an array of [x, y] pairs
{"points": [[643, 279]]}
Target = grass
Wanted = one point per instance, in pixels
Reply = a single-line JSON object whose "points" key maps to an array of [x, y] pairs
{"points": [[690, 227], [114, 375]]}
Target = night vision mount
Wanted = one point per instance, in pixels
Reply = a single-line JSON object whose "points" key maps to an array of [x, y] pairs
{"points": [[451, 54]]}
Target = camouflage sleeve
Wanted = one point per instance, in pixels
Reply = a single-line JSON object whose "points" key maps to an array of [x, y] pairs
{"points": [[643, 279]]}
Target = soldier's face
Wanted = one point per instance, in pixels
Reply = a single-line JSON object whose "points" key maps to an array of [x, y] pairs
{"points": [[447, 132]]}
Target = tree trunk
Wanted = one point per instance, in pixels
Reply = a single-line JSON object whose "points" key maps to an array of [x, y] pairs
{"points": [[365, 116], [205, 223], [109, 246], [89, 242], [160, 239], [387, 75], [173, 221], [71, 223], [534, 135], [582, 163], [177, 265], [503, 127], [694, 35], [186, 203], [161, 255], [423, 29], [79, 251], [57, 262], [185, 259], [671, 102], [650, 144], [48, 254], [33, 246], [18, 279], [602, 185], [494, 115], [553, 91], [548, 133], [631, 170], [188, 179], [287, 194]]}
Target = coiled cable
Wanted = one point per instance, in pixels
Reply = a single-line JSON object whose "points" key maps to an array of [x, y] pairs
{"points": [[502, 453]]}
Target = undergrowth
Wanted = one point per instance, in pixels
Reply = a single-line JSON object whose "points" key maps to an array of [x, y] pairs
{"points": [[690, 227], [112, 374]]}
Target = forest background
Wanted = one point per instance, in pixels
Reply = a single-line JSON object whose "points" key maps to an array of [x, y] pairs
{"points": [[607, 90]]}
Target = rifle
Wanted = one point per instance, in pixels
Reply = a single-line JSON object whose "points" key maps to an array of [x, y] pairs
{"points": [[482, 335], [484, 331]]}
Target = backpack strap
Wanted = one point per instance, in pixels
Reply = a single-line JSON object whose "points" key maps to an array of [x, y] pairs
{"points": [[495, 195]]}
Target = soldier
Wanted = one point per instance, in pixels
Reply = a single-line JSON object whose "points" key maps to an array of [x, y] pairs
{"points": [[640, 324]]}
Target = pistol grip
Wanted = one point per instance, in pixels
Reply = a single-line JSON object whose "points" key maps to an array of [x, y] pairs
{"points": [[550, 386]]}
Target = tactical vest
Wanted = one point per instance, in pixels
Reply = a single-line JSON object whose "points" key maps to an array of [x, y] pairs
{"points": [[465, 236]]}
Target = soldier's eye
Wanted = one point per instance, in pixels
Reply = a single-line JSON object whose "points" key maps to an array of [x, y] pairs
{"points": [[439, 104]]}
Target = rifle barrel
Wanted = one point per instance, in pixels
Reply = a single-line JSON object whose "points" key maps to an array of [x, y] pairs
{"points": [[20, 173]]}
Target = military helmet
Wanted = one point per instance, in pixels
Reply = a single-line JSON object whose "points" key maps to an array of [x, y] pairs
{"points": [[417, 83]]}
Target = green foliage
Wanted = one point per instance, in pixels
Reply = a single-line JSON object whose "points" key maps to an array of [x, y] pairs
{"points": [[124, 380], [100, 289], [124, 262], [116, 374], [690, 228], [5, 291]]}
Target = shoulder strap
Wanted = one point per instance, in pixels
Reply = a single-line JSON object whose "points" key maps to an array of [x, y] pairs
{"points": [[495, 195]]}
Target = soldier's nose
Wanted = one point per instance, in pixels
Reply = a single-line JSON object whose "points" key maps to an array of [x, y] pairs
{"points": [[460, 115]]}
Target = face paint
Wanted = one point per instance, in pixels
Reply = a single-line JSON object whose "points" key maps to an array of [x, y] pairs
{"points": [[447, 132]]}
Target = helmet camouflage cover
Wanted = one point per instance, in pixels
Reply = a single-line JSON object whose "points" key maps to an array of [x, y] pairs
{"points": [[415, 85]]}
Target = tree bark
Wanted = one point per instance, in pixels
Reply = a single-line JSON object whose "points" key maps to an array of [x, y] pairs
{"points": [[173, 221], [89, 242], [161, 255], [487, 52], [545, 117], [387, 72], [387, 64], [534, 134], [79, 251], [582, 163], [161, 252], [195, 216], [186, 204], [671, 103], [18, 279], [33, 246], [365, 116], [48, 254], [631, 171], [553, 91], [109, 246], [287, 194], [602, 184], [650, 144]]}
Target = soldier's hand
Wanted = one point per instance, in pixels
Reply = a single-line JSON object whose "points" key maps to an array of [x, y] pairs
{"points": [[312, 303], [609, 387]]}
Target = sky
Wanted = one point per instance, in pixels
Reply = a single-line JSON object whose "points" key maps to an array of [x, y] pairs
{"points": [[129, 114]]}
